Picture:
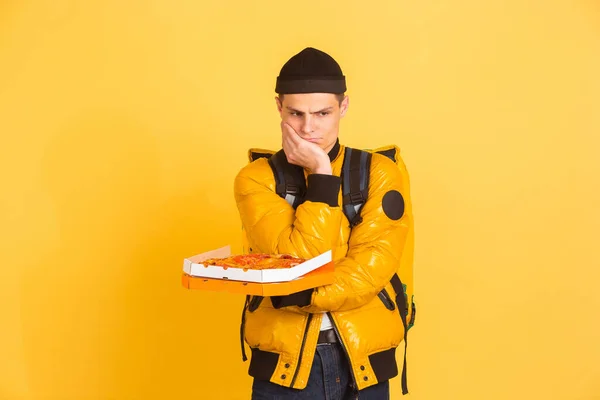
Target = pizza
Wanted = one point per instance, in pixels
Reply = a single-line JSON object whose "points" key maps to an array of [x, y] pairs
{"points": [[256, 261]]}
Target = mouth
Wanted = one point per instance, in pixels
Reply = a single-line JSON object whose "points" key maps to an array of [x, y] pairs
{"points": [[312, 140]]}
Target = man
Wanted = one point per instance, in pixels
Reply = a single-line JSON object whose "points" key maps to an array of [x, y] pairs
{"points": [[336, 341]]}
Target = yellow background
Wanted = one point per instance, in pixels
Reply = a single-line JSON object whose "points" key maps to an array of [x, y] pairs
{"points": [[123, 124]]}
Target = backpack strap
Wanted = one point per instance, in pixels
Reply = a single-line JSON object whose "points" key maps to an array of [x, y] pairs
{"points": [[242, 327], [290, 183], [256, 153], [355, 190], [355, 183], [402, 304]]}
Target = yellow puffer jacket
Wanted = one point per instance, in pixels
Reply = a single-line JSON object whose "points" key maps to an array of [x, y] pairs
{"points": [[282, 333]]}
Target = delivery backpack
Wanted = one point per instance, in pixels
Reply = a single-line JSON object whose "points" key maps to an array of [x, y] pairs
{"points": [[290, 184]]}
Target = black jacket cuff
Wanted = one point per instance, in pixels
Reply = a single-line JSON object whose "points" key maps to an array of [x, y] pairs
{"points": [[323, 188], [300, 299]]}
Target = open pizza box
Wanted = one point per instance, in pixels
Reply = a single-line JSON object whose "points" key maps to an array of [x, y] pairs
{"points": [[314, 272]]}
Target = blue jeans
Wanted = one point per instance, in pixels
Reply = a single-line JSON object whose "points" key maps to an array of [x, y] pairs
{"points": [[329, 379]]}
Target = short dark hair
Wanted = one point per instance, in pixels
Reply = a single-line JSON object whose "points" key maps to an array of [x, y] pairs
{"points": [[339, 96]]}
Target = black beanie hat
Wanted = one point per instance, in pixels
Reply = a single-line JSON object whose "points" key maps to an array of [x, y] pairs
{"points": [[311, 71]]}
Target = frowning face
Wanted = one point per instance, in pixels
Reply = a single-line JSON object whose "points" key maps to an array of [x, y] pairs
{"points": [[314, 116]]}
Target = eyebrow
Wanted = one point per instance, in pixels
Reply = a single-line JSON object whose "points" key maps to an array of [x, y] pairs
{"points": [[316, 112]]}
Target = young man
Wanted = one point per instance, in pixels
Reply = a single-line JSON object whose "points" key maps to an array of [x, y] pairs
{"points": [[336, 341]]}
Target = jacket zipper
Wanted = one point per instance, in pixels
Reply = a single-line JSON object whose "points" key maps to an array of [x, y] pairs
{"points": [[310, 316], [335, 329]]}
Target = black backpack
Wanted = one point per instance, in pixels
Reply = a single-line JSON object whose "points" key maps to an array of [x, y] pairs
{"points": [[290, 184]]}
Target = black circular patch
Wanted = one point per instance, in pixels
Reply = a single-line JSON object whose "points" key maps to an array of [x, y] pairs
{"points": [[393, 205]]}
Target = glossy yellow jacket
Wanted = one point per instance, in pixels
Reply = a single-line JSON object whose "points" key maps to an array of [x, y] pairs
{"points": [[283, 340]]}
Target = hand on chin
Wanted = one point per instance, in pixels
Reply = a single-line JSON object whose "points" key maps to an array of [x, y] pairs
{"points": [[303, 152]]}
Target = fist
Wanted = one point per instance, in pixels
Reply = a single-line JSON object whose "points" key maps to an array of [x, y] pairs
{"points": [[302, 152]]}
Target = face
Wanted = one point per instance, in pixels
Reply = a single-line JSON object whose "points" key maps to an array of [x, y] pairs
{"points": [[314, 116]]}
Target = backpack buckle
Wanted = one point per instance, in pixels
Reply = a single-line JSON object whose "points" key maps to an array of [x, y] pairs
{"points": [[356, 198], [291, 188]]}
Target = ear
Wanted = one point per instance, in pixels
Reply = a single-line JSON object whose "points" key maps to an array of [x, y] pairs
{"points": [[279, 104], [344, 106]]}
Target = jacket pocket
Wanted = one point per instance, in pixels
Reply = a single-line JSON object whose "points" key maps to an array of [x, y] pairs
{"points": [[254, 303], [386, 300]]}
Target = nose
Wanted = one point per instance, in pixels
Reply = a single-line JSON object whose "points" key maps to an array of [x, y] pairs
{"points": [[308, 125]]}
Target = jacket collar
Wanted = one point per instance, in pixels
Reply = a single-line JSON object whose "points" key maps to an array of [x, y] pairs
{"points": [[334, 150]]}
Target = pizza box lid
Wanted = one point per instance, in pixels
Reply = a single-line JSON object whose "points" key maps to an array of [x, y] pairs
{"points": [[193, 266]]}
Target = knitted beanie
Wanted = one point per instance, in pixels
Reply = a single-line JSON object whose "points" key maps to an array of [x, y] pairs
{"points": [[311, 71]]}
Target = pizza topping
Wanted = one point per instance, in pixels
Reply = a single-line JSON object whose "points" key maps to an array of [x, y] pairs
{"points": [[256, 261]]}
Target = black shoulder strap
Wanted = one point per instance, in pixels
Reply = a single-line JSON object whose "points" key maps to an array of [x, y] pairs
{"points": [[402, 303], [242, 326], [290, 185], [289, 179], [355, 191], [355, 183]]}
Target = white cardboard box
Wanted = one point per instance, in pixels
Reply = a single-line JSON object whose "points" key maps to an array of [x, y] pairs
{"points": [[193, 266]]}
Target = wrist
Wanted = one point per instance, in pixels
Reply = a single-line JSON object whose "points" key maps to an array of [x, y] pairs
{"points": [[323, 167]]}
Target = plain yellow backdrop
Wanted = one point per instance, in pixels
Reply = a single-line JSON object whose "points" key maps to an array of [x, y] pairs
{"points": [[123, 124]]}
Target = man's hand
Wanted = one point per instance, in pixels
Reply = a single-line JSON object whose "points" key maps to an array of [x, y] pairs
{"points": [[304, 153]]}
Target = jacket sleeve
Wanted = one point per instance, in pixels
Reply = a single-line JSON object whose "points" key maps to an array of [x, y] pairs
{"points": [[273, 226], [375, 248]]}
